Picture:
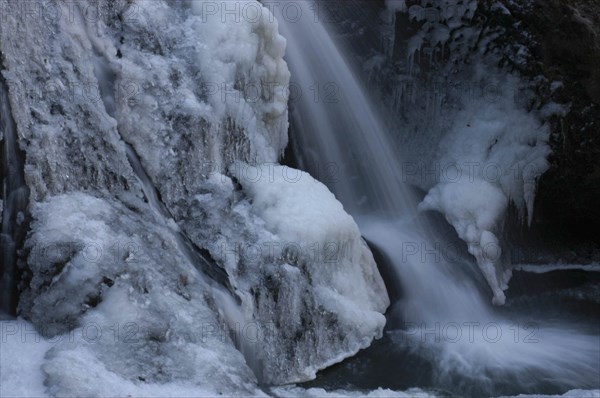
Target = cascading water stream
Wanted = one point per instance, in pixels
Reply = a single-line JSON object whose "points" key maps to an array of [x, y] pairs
{"points": [[15, 196], [162, 215], [348, 134], [336, 125], [225, 295], [345, 131]]}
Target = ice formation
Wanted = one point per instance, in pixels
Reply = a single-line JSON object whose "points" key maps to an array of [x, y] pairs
{"points": [[317, 237], [486, 160], [484, 149], [124, 303]]}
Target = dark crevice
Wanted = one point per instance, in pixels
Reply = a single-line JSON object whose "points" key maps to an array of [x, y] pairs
{"points": [[387, 271], [15, 198], [200, 257]]}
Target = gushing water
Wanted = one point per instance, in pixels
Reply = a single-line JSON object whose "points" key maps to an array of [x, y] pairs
{"points": [[346, 132], [341, 134], [338, 130]]}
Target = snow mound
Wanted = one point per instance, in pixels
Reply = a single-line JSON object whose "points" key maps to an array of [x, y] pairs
{"points": [[21, 352], [314, 215]]}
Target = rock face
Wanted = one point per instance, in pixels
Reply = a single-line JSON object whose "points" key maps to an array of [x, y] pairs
{"points": [[142, 123], [564, 42]]}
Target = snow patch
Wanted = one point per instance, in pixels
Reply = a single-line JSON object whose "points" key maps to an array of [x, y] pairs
{"points": [[294, 391], [21, 353]]}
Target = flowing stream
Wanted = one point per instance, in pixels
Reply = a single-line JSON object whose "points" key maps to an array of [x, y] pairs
{"points": [[337, 129], [226, 297]]}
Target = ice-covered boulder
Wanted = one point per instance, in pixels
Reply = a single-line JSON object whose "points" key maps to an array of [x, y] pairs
{"points": [[298, 263], [316, 275], [210, 114]]}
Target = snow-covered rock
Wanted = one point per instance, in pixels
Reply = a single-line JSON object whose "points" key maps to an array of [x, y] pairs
{"points": [[132, 116], [69, 140], [312, 246]]}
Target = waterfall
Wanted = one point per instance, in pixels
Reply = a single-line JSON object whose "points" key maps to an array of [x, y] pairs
{"points": [[340, 139], [15, 196], [343, 133], [343, 140]]}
